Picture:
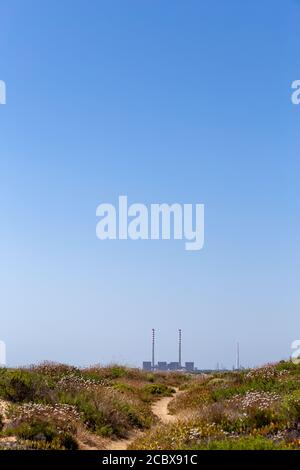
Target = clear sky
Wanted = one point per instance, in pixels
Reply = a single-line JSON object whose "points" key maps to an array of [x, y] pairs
{"points": [[164, 101]]}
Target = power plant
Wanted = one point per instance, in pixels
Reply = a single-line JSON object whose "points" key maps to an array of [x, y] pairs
{"points": [[165, 366]]}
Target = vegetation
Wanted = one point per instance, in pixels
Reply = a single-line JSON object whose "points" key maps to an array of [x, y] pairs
{"points": [[55, 406], [49, 405], [257, 409]]}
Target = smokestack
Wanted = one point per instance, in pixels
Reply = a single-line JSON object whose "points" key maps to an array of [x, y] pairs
{"points": [[238, 356], [179, 348], [153, 348]]}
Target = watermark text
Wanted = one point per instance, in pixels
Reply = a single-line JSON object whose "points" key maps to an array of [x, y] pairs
{"points": [[296, 93], [295, 346], [2, 92], [156, 222]]}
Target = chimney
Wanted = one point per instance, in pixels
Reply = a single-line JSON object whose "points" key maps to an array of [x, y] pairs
{"points": [[179, 348], [238, 356], [153, 348]]}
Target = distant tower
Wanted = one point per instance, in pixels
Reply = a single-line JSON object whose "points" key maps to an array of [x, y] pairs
{"points": [[238, 356], [153, 348], [179, 348]]}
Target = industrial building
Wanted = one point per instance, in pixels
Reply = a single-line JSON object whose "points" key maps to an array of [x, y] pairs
{"points": [[147, 365], [171, 366]]}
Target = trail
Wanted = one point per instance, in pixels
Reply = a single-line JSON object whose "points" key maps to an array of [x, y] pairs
{"points": [[8, 442], [89, 441], [160, 410], [4, 405], [122, 444]]}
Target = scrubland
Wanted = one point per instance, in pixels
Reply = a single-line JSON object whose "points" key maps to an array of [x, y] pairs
{"points": [[55, 406], [257, 409]]}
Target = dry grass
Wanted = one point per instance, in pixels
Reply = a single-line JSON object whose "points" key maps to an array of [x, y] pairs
{"points": [[51, 404], [56, 406], [256, 409]]}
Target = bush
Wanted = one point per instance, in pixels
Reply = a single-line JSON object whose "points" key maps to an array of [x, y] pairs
{"points": [[46, 432], [117, 372], [67, 441], [150, 377], [93, 414], [159, 390], [193, 398], [124, 388], [108, 412], [133, 416], [259, 418], [242, 443], [36, 430], [290, 408], [20, 385]]}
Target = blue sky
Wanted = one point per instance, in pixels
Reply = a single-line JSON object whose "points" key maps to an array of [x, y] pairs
{"points": [[164, 101]]}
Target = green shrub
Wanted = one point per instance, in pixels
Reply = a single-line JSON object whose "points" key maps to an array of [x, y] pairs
{"points": [[117, 372], [66, 441], [21, 385], [135, 418], [107, 412], [194, 397], [287, 365], [224, 393], [159, 390], [150, 377], [44, 431], [123, 387], [92, 414], [290, 408], [259, 418], [242, 443], [36, 430]]}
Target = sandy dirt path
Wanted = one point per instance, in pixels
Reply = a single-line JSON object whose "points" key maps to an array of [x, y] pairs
{"points": [[122, 444], [88, 441], [8, 442], [4, 405], [159, 409]]}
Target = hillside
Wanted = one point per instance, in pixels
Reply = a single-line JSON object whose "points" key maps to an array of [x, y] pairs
{"points": [[54, 406]]}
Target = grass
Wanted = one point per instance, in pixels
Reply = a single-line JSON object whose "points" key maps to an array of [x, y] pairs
{"points": [[243, 443], [21, 385], [256, 409], [50, 406], [50, 402], [44, 432]]}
